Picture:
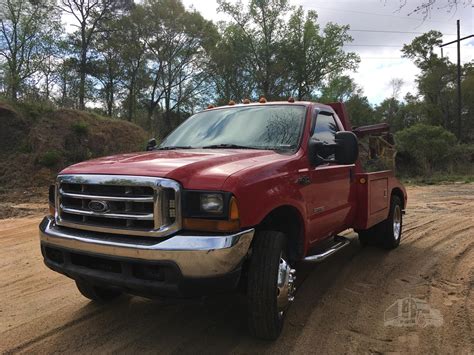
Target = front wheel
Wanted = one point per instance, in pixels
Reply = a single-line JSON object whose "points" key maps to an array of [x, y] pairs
{"points": [[270, 285]]}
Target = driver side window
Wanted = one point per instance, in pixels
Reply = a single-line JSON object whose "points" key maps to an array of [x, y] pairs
{"points": [[325, 129], [325, 132]]}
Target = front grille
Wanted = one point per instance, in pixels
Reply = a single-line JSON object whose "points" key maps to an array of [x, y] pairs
{"points": [[131, 205]]}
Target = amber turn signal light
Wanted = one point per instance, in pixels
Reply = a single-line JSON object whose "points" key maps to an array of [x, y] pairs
{"points": [[209, 225]]}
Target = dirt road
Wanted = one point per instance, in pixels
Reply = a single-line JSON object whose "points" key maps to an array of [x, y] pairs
{"points": [[339, 307]]}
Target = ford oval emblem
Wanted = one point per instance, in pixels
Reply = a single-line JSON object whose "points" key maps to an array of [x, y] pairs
{"points": [[98, 206]]}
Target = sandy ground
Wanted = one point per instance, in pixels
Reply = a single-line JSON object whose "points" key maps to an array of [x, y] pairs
{"points": [[339, 308]]}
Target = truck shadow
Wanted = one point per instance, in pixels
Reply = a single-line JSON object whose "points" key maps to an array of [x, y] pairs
{"points": [[216, 324]]}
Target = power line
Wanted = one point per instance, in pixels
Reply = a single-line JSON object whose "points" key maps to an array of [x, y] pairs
{"points": [[403, 32], [384, 58], [376, 45], [371, 45], [376, 14]]}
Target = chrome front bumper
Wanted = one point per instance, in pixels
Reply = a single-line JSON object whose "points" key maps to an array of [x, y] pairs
{"points": [[195, 255]]}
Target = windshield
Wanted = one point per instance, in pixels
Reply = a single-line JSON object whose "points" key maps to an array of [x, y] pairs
{"points": [[276, 127]]}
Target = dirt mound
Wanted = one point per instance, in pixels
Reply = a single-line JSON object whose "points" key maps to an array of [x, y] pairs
{"points": [[13, 127], [36, 143]]}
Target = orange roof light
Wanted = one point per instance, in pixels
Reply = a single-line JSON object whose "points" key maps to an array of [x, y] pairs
{"points": [[246, 101], [231, 103], [210, 106], [262, 100], [291, 99]]}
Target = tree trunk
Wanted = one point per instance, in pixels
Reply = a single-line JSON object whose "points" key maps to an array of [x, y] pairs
{"points": [[82, 83], [82, 69], [130, 103]]}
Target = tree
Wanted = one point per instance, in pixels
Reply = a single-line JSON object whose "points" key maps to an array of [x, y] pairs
{"points": [[360, 111], [284, 52], [263, 27], [343, 88], [392, 112], [427, 6], [229, 66], [132, 49], [178, 42], [339, 88], [313, 56], [107, 68], [396, 85], [436, 80], [26, 30], [90, 16]]}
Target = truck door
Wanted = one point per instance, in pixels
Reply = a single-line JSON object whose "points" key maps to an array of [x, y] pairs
{"points": [[328, 202]]}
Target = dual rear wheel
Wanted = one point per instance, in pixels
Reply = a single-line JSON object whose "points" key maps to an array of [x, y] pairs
{"points": [[387, 233]]}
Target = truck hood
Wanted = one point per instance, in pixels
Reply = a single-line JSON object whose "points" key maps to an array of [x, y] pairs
{"points": [[194, 169]]}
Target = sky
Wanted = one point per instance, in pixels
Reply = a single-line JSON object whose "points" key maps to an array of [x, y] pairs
{"points": [[379, 51]]}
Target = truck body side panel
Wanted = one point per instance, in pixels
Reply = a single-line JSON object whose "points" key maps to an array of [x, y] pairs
{"points": [[373, 191]]}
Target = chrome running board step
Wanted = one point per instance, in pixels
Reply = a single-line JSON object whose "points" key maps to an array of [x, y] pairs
{"points": [[339, 243]]}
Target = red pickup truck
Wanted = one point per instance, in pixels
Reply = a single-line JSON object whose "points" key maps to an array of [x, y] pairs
{"points": [[232, 199]]}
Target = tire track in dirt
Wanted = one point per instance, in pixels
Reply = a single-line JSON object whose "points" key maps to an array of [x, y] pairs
{"points": [[339, 307]]}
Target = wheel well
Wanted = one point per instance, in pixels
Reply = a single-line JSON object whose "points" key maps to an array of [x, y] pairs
{"points": [[288, 220], [397, 192]]}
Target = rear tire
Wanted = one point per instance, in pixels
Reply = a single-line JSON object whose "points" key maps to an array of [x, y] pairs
{"points": [[390, 230], [96, 293], [270, 285]]}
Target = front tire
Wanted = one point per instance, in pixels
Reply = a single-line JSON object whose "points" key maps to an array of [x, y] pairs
{"points": [[96, 293], [270, 285]]}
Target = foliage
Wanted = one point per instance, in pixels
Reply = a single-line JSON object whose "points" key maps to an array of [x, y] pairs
{"points": [[279, 57], [27, 28], [80, 128], [50, 159], [429, 147], [155, 62]]}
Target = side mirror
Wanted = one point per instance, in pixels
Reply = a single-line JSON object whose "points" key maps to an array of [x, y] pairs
{"points": [[151, 145], [345, 150]]}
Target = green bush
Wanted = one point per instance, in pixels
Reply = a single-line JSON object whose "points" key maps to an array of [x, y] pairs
{"points": [[33, 110], [430, 148], [50, 159], [426, 150], [80, 128]]}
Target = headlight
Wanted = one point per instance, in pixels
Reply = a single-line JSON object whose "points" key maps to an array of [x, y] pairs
{"points": [[212, 203], [206, 204], [210, 211]]}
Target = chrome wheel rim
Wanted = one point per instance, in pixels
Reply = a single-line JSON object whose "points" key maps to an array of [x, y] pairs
{"points": [[397, 222], [285, 286]]}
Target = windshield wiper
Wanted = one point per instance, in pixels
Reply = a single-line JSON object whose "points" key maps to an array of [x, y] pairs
{"points": [[226, 145], [174, 147]]}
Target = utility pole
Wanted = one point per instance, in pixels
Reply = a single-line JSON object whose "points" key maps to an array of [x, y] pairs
{"points": [[458, 42], [459, 80]]}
